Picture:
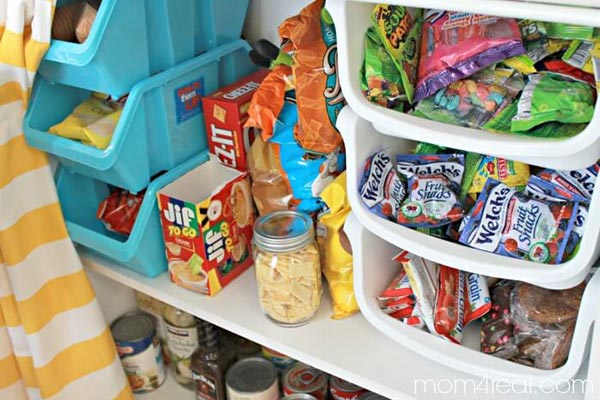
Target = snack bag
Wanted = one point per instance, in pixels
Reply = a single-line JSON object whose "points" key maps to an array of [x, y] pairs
{"points": [[119, 210], [450, 304], [477, 300], [561, 67], [400, 34], [380, 188], [310, 37], [91, 122], [497, 336], [579, 181], [511, 173], [535, 41], [579, 54], [506, 222], [383, 84], [551, 97], [457, 44], [566, 31], [335, 249], [433, 184]]}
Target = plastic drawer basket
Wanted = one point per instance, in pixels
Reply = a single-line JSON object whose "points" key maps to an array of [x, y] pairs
{"points": [[157, 129], [133, 39], [144, 250]]}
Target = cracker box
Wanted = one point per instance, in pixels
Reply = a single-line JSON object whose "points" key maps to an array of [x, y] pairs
{"points": [[207, 219], [225, 113]]}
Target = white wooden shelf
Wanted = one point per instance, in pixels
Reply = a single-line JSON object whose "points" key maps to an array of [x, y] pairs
{"points": [[351, 348]]}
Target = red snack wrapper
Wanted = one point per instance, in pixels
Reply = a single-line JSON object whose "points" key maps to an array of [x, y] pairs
{"points": [[399, 287], [478, 301], [119, 210], [450, 304]]}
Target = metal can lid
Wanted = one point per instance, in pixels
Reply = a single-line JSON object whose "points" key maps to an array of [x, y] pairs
{"points": [[371, 396], [304, 378], [283, 231], [251, 375], [299, 396], [133, 326], [344, 385]]}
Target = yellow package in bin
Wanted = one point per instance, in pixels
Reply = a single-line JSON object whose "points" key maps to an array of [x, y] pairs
{"points": [[336, 253], [91, 122]]}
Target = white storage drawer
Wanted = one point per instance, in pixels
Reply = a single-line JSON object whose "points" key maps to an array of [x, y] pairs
{"points": [[362, 140], [374, 270], [353, 17]]}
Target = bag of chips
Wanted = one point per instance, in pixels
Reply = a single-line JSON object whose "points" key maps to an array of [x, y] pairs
{"points": [[119, 210]]}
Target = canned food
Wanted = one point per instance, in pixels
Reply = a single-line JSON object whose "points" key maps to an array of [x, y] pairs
{"points": [[299, 396], [301, 378], [252, 378], [279, 360], [139, 349], [371, 396], [344, 390]]}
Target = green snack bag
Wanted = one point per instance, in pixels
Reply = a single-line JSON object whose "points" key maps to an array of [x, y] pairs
{"points": [[428, 148], [472, 162], [535, 39], [566, 31], [579, 54], [401, 36], [551, 97]]}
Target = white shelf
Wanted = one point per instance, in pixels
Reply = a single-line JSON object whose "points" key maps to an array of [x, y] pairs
{"points": [[350, 348]]}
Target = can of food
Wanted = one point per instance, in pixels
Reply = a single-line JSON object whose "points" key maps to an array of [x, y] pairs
{"points": [[139, 349], [344, 390], [301, 378], [279, 360], [252, 378], [371, 396], [299, 396]]}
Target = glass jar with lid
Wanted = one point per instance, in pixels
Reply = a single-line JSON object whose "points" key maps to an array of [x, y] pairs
{"points": [[182, 341], [288, 268]]}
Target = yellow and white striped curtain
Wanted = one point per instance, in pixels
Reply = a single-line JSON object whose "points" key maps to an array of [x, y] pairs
{"points": [[54, 341]]}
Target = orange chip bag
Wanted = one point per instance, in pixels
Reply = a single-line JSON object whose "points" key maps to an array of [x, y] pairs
{"points": [[310, 38]]}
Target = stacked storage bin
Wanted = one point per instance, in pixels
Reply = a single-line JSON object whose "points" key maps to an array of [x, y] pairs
{"points": [[166, 55]]}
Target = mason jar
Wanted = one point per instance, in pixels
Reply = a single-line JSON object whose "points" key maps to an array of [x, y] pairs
{"points": [[288, 268]]}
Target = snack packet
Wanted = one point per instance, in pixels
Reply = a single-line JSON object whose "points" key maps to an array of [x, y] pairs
{"points": [[561, 67], [310, 38], [535, 41], [579, 181], [400, 34], [457, 44], [579, 54], [433, 182], [551, 97], [497, 336], [335, 249], [381, 190], [511, 173], [478, 302], [119, 210], [382, 81], [399, 287], [91, 122], [450, 304], [566, 31], [506, 222]]}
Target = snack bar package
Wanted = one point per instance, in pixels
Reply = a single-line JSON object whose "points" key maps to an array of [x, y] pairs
{"points": [[450, 304], [457, 44], [310, 37], [119, 210], [536, 43], [335, 249], [579, 54], [511, 173], [579, 181], [400, 33], [506, 222]]}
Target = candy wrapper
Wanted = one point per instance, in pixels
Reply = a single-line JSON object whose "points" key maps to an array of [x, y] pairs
{"points": [[450, 304], [579, 54], [456, 45], [579, 181], [310, 38], [535, 41], [565, 31], [335, 249], [511, 173], [551, 97], [433, 183], [497, 335], [400, 33], [119, 210], [506, 222], [381, 190], [561, 67]]}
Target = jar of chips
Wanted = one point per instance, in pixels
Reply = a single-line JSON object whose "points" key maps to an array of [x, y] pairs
{"points": [[288, 269]]}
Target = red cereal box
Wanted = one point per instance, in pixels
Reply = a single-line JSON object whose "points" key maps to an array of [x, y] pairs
{"points": [[225, 113], [207, 218]]}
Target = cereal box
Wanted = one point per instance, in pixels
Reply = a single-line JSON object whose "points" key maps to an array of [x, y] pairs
{"points": [[225, 113], [207, 218]]}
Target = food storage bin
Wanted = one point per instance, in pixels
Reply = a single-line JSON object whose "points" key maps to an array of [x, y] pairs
{"points": [[353, 17], [143, 251], [362, 140], [131, 40], [162, 123], [374, 270]]}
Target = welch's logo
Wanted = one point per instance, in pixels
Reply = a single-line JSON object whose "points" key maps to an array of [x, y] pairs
{"points": [[450, 170], [583, 179], [487, 235], [373, 188]]}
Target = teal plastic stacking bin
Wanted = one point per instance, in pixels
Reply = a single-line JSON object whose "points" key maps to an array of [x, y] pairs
{"points": [[162, 123], [143, 250], [133, 39]]}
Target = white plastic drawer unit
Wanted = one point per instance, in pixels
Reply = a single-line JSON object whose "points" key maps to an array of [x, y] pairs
{"points": [[353, 17], [362, 140], [374, 270]]}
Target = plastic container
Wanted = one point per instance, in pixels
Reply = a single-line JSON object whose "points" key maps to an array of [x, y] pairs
{"points": [[156, 131], [131, 40], [362, 140], [374, 269], [144, 250], [352, 18]]}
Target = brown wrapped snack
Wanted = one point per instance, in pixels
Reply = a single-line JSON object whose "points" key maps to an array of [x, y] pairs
{"points": [[270, 189], [497, 328]]}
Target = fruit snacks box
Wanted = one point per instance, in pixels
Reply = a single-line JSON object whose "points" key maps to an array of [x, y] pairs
{"points": [[207, 219], [225, 113]]}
